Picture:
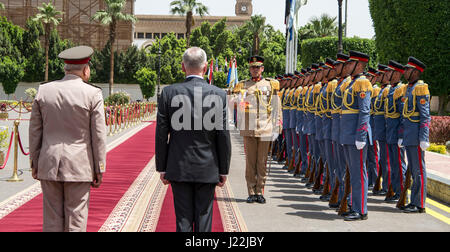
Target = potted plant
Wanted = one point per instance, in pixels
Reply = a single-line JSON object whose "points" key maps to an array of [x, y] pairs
{"points": [[3, 113]]}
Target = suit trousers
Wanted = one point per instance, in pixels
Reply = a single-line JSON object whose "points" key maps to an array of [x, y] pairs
{"points": [[65, 206], [416, 162], [256, 152], [193, 206]]}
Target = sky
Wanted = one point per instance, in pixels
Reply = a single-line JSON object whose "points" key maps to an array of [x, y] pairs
{"points": [[359, 20]]}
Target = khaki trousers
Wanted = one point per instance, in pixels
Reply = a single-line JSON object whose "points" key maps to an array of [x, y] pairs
{"points": [[256, 152], [65, 206]]}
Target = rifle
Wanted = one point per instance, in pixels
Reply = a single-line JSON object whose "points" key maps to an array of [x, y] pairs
{"points": [[335, 193], [343, 206], [282, 150], [377, 186], [404, 195], [316, 186], [298, 166], [311, 174], [326, 184], [390, 193], [292, 161], [308, 169]]}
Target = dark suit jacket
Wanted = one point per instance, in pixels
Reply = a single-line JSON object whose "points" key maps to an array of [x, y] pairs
{"points": [[196, 153]]}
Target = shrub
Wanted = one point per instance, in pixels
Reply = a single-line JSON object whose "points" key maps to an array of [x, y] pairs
{"points": [[440, 129], [118, 98], [437, 148]]}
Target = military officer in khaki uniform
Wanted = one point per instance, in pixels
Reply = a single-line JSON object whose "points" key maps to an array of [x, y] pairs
{"points": [[260, 123], [67, 137]]}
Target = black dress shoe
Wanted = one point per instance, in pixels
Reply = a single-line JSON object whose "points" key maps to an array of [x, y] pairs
{"points": [[334, 205], [251, 199], [260, 199], [354, 216], [325, 197], [413, 209]]}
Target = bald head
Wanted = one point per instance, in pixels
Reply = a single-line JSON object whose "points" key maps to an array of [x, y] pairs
{"points": [[194, 61]]}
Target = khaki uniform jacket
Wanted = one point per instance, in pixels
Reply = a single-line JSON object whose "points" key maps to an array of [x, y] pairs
{"points": [[259, 108], [67, 131]]}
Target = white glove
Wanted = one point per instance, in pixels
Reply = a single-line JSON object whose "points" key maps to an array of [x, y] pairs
{"points": [[400, 143], [360, 145], [275, 136], [424, 145]]}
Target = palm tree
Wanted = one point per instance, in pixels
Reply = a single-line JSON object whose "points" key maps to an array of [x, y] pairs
{"points": [[324, 26], [111, 16], [48, 15], [257, 26], [187, 7]]}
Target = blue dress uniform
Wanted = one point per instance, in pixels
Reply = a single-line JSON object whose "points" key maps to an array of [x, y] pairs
{"points": [[355, 129], [393, 110], [372, 153], [318, 126], [415, 124], [338, 150], [293, 125], [380, 134], [325, 107], [303, 149], [286, 121]]}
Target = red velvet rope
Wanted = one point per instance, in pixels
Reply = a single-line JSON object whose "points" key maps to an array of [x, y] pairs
{"points": [[9, 150]]}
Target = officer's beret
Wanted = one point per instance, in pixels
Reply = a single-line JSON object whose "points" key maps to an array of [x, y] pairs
{"points": [[77, 55], [314, 66], [359, 56], [322, 65], [256, 60], [309, 70], [396, 66], [298, 74], [415, 63], [303, 71], [340, 57]]}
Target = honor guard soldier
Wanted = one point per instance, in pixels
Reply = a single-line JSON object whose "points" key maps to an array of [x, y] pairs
{"points": [[292, 122], [355, 133], [286, 119], [303, 148], [372, 153], [330, 84], [262, 112], [415, 123], [70, 156], [298, 89], [393, 110], [336, 108], [384, 173]]}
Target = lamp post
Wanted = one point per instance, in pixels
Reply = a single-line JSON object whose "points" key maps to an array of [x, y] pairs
{"points": [[340, 49], [158, 93]]}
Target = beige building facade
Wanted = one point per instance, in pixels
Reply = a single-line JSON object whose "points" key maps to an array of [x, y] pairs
{"points": [[151, 27]]}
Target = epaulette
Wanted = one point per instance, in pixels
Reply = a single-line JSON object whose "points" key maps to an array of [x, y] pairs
{"points": [[400, 91], [304, 90], [421, 89], [93, 85], [238, 87], [332, 86], [386, 91], [344, 85], [275, 84], [317, 88], [362, 84], [376, 92], [298, 91]]}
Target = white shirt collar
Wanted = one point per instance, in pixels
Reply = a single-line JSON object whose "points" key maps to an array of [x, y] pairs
{"points": [[194, 76]]}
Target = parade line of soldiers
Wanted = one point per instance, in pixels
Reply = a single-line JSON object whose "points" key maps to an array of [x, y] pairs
{"points": [[346, 131]]}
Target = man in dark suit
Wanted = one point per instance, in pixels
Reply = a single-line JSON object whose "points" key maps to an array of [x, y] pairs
{"points": [[193, 148]]}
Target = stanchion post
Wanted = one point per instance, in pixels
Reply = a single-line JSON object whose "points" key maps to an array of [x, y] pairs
{"points": [[15, 177]]}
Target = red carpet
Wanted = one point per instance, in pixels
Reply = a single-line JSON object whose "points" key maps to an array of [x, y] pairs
{"points": [[167, 220], [124, 163]]}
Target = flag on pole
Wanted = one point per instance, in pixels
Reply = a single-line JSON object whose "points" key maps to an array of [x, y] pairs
{"points": [[211, 72], [236, 72]]}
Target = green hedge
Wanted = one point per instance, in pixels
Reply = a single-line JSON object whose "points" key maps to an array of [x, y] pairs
{"points": [[317, 49], [417, 28]]}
